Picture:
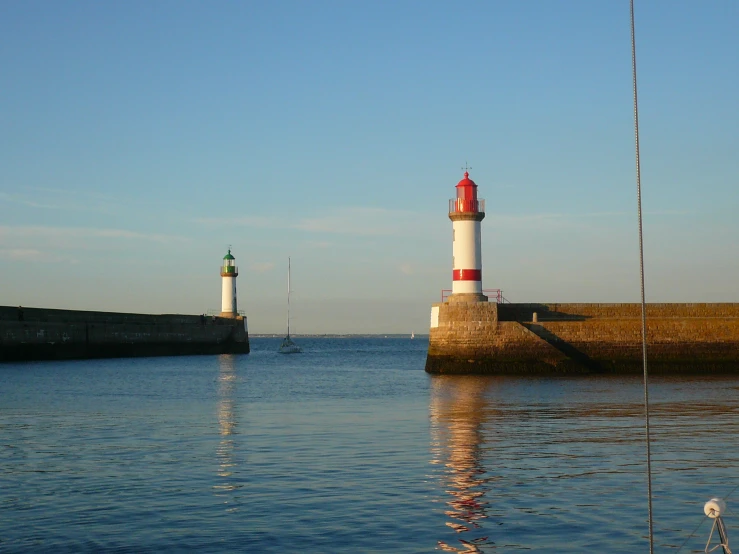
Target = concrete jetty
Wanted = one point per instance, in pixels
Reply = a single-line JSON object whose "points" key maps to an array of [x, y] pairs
{"points": [[488, 337], [48, 334]]}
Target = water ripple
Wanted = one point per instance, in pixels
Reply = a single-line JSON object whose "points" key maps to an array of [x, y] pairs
{"points": [[350, 447]]}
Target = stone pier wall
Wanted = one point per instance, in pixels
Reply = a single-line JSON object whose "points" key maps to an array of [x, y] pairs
{"points": [[46, 334], [582, 338]]}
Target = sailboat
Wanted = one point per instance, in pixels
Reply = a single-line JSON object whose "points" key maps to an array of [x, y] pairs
{"points": [[288, 346]]}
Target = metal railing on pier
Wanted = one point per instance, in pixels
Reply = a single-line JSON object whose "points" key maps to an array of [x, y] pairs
{"points": [[217, 313], [494, 295]]}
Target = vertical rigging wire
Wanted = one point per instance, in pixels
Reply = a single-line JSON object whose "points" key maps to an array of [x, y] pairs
{"points": [[641, 275]]}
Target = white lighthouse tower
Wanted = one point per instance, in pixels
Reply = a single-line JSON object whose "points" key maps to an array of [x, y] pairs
{"points": [[229, 272], [466, 212]]}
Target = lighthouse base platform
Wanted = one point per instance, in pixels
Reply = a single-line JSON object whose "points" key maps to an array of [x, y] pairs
{"points": [[46, 334], [515, 339], [466, 297]]}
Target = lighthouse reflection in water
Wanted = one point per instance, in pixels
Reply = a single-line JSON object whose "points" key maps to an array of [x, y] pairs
{"points": [[227, 485], [457, 412]]}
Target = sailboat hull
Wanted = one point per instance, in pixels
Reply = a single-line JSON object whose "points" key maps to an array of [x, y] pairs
{"points": [[290, 349]]}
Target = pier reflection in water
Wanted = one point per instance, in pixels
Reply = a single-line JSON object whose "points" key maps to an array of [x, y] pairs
{"points": [[458, 410], [227, 485], [517, 462], [524, 464]]}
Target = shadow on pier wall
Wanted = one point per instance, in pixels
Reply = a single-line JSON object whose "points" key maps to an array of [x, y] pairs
{"points": [[577, 356]]}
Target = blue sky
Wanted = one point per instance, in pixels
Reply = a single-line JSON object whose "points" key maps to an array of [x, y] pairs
{"points": [[139, 139]]}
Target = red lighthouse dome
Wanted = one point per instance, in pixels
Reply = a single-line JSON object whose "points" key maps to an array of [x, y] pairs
{"points": [[466, 195], [466, 182]]}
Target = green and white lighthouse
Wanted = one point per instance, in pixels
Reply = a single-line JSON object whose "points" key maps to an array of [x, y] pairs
{"points": [[229, 272]]}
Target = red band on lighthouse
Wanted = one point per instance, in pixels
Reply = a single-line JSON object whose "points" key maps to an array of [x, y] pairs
{"points": [[467, 275]]}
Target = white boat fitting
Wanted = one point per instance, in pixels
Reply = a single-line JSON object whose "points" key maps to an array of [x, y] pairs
{"points": [[713, 509]]}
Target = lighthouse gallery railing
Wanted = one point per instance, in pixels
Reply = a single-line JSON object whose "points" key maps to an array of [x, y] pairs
{"points": [[462, 205]]}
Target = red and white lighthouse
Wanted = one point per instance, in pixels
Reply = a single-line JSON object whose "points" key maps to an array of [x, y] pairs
{"points": [[466, 212]]}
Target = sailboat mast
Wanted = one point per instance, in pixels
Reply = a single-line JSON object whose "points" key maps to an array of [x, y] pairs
{"points": [[288, 297]]}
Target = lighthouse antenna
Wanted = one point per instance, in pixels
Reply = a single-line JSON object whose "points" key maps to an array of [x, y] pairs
{"points": [[466, 167]]}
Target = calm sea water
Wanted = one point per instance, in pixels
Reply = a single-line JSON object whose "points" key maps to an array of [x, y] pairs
{"points": [[351, 447]]}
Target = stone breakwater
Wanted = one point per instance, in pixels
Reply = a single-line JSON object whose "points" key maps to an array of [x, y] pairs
{"points": [[479, 337], [46, 334]]}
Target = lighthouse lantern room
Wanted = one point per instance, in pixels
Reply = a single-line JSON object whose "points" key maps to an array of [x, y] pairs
{"points": [[229, 272], [466, 212]]}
